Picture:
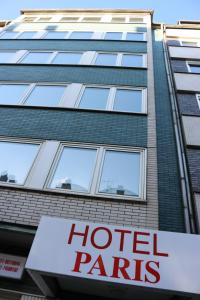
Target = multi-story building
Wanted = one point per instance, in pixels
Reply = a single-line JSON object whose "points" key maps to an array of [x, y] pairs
{"points": [[89, 133]]}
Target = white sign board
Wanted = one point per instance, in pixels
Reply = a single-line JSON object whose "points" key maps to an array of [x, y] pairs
{"points": [[126, 255], [11, 266]]}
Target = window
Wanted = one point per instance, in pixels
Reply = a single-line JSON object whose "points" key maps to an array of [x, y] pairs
{"points": [[118, 20], [120, 173], [27, 35], [81, 35], [67, 58], [189, 44], [56, 35], [74, 170], [194, 68], [44, 19], [12, 93], [198, 100], [106, 59], [36, 58], [113, 36], [94, 98], [132, 60], [16, 160], [98, 170], [5, 57], [136, 20], [91, 19], [112, 98], [29, 19], [128, 100], [8, 35], [69, 19], [135, 36], [44, 95]]}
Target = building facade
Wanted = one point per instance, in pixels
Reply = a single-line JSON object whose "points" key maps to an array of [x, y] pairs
{"points": [[88, 128]]}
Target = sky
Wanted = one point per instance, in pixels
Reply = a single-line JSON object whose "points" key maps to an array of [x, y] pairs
{"points": [[166, 11]]}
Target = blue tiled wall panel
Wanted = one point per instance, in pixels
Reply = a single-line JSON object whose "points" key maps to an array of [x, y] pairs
{"points": [[169, 190], [79, 74], [74, 45], [77, 126]]}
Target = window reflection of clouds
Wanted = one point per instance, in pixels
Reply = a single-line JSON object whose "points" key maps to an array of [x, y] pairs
{"points": [[128, 100], [94, 98], [74, 169], [12, 93], [15, 161], [121, 173], [45, 95]]}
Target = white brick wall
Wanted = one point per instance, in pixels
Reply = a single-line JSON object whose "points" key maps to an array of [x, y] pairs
{"points": [[26, 207]]}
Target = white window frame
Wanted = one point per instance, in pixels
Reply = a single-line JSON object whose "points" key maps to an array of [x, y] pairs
{"points": [[22, 141], [198, 100], [111, 97], [195, 63], [30, 88], [53, 54], [185, 40], [119, 59], [97, 171]]}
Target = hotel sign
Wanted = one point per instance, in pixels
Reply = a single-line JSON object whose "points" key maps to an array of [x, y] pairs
{"points": [[132, 256], [11, 266]]}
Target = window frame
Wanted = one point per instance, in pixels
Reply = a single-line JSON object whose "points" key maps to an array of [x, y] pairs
{"points": [[30, 88], [183, 41], [198, 100], [23, 141], [97, 171], [119, 59], [195, 63], [111, 97]]}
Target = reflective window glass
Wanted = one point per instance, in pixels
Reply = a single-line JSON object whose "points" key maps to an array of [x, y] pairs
{"points": [[192, 44], [106, 59], [69, 19], [27, 35], [15, 161], [44, 19], [121, 173], [94, 98], [12, 93], [118, 20], [195, 69], [56, 35], [136, 20], [45, 95], [128, 100], [67, 58], [81, 35], [5, 57], [74, 170], [133, 36], [113, 36], [129, 60], [91, 19], [36, 58], [9, 35]]}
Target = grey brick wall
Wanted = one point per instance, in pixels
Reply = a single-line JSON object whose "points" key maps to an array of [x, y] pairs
{"points": [[74, 45], [194, 168], [179, 65], [78, 126], [27, 207], [188, 104], [76, 73]]}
